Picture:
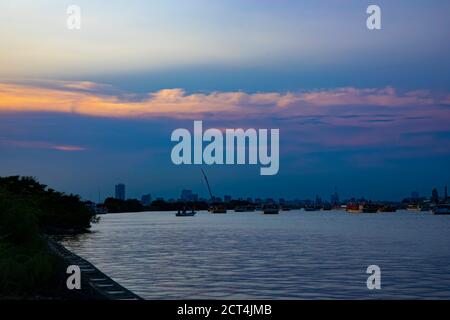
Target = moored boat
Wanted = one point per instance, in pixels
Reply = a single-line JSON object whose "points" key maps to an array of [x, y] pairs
{"points": [[217, 209], [244, 209], [369, 208], [353, 208], [442, 209], [413, 207], [271, 209], [387, 208], [185, 213]]}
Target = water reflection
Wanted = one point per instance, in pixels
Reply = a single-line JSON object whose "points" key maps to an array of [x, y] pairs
{"points": [[294, 255]]}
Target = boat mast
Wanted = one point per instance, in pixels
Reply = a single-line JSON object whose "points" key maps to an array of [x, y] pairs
{"points": [[207, 183]]}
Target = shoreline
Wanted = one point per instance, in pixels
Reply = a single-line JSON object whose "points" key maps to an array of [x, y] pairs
{"points": [[95, 284]]}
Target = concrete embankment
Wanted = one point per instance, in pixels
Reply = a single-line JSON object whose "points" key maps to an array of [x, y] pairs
{"points": [[95, 284]]}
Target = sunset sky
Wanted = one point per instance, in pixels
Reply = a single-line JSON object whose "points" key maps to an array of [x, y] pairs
{"points": [[365, 111]]}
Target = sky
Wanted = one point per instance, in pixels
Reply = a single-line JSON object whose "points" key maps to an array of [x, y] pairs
{"points": [[365, 111]]}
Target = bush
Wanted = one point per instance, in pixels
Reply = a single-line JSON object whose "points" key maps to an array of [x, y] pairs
{"points": [[27, 208], [54, 211]]}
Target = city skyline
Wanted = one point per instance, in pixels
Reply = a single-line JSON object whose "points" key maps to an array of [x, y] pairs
{"points": [[364, 110], [187, 195]]}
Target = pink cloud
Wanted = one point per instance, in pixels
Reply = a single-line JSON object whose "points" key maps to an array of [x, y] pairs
{"points": [[341, 118], [176, 103], [40, 145]]}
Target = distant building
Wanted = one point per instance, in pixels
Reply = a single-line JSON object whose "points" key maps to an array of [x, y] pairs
{"points": [[334, 199], [414, 196], [227, 198], [187, 195], [434, 196], [146, 199], [250, 200], [318, 200], [120, 191]]}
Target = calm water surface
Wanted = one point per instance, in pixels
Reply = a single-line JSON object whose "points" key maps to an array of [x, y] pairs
{"points": [[294, 255]]}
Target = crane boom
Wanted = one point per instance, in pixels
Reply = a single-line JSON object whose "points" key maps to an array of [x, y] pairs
{"points": [[207, 183]]}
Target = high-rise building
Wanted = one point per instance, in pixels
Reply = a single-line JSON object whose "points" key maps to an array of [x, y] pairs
{"points": [[146, 199], [186, 195], [334, 199], [434, 196], [120, 191]]}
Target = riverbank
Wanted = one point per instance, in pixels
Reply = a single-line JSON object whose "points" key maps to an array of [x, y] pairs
{"points": [[95, 285], [32, 266]]}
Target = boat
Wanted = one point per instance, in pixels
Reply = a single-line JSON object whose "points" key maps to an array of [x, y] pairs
{"points": [[310, 208], [250, 208], [271, 209], [353, 208], [244, 209], [387, 208], [369, 208], [215, 208], [285, 208], [441, 209], [413, 207], [185, 213]]}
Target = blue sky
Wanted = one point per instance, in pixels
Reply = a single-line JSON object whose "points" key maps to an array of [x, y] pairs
{"points": [[368, 111]]}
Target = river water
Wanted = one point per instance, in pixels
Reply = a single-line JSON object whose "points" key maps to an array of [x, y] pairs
{"points": [[294, 255]]}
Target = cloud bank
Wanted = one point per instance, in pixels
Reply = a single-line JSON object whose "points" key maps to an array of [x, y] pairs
{"points": [[98, 100]]}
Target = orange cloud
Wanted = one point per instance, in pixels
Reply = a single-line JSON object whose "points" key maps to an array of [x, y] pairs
{"points": [[85, 98]]}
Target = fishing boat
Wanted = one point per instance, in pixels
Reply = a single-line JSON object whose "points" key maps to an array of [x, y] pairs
{"points": [[217, 209], [271, 209], [441, 209], [185, 213], [387, 208], [250, 208], [369, 208], [214, 208], [244, 209], [413, 207], [353, 208]]}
